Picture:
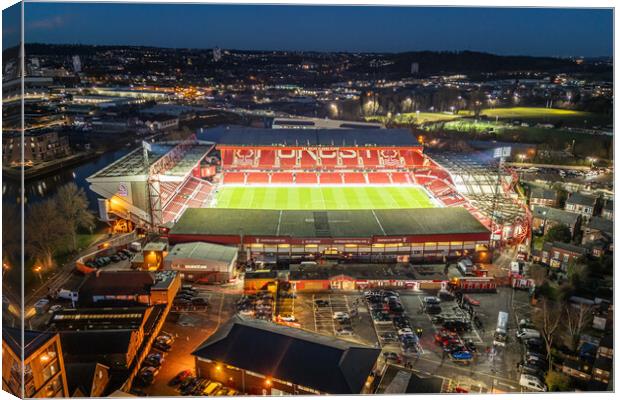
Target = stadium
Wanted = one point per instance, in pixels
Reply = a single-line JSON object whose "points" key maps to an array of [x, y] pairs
{"points": [[360, 193]]}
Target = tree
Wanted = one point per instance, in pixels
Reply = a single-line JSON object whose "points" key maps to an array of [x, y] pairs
{"points": [[45, 230], [476, 101], [558, 233], [73, 207], [578, 317], [557, 381], [550, 316]]}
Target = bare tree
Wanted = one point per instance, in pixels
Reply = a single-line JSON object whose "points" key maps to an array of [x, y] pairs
{"points": [[578, 317], [73, 207], [550, 317], [45, 231]]}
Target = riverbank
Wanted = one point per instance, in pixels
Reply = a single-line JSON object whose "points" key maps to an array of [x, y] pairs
{"points": [[47, 168]]}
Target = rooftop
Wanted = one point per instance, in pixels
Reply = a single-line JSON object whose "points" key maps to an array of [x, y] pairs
{"points": [[203, 251], [98, 318], [546, 194], [340, 223], [581, 199], [320, 362], [556, 215], [319, 137], [33, 340], [132, 164], [399, 380], [602, 224]]}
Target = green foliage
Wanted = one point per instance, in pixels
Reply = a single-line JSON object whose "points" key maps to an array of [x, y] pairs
{"points": [[558, 233], [557, 382]]}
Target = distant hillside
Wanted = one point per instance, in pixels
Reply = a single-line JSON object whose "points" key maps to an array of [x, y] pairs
{"points": [[466, 62]]}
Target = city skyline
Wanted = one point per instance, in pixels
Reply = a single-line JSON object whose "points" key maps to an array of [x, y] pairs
{"points": [[550, 32]]}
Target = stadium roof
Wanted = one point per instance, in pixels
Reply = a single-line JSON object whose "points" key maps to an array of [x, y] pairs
{"points": [[298, 356], [319, 137], [132, 164], [340, 223]]}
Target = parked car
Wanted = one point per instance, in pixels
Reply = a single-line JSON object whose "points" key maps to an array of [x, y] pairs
{"points": [[321, 303], [162, 346], [391, 356], [531, 382], [211, 388], [340, 315], [527, 334], [433, 309], [432, 300], [180, 377]]}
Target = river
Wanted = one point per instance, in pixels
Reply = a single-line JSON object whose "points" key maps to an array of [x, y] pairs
{"points": [[40, 188]]}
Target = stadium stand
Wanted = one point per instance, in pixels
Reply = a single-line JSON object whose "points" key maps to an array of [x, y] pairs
{"points": [[233, 177], [306, 178], [257, 178], [381, 178], [402, 177], [282, 177], [330, 178], [354, 178]]}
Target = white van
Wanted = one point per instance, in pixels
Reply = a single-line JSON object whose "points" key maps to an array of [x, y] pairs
{"points": [[526, 333], [531, 382]]}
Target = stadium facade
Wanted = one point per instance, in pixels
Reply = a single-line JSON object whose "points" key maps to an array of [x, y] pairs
{"points": [[173, 187]]}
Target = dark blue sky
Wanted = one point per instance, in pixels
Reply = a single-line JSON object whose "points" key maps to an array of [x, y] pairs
{"points": [[553, 32]]}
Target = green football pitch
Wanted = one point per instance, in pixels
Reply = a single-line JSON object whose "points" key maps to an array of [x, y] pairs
{"points": [[322, 198]]}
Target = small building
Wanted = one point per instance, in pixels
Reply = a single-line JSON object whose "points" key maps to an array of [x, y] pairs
{"points": [[260, 357], [560, 255], [543, 197], [42, 369], [602, 376], [87, 379], [400, 380], [578, 369], [608, 210], [598, 228], [582, 204], [203, 262], [128, 287], [543, 218], [160, 122]]}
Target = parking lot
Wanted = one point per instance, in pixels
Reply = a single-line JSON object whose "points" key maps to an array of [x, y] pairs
{"points": [[190, 329]]}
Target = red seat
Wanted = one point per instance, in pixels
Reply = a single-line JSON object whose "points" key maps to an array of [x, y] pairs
{"points": [[401, 177], [353, 178], [233, 177], [257, 177], [378, 177], [330, 178], [306, 178], [282, 177]]}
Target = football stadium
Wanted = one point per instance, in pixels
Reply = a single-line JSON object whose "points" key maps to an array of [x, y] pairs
{"points": [[362, 193]]}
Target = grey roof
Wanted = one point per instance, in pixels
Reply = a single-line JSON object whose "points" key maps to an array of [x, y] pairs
{"points": [[565, 246], [546, 194], [581, 199], [33, 340], [554, 214], [320, 137], [335, 223], [213, 254], [400, 380], [602, 224], [320, 362]]}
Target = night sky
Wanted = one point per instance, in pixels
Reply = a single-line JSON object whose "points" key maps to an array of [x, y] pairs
{"points": [[550, 32]]}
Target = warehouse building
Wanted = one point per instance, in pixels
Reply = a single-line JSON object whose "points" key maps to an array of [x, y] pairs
{"points": [[203, 262], [260, 357]]}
